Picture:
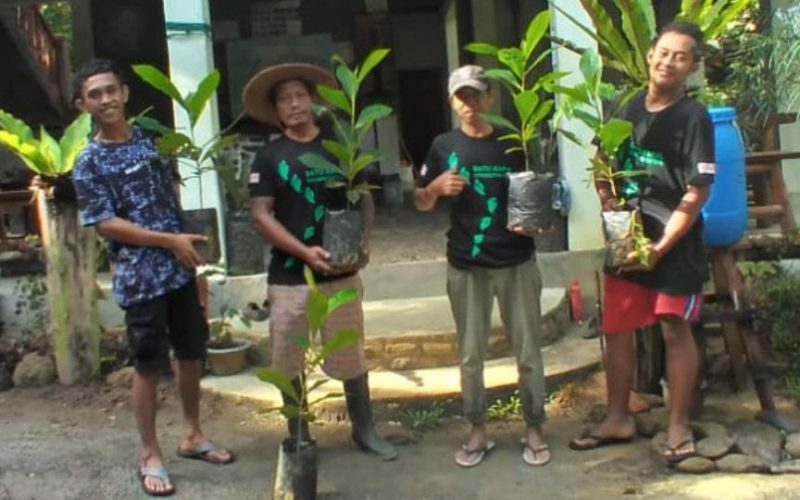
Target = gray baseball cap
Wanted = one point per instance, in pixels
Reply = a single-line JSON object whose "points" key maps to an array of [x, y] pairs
{"points": [[470, 76]]}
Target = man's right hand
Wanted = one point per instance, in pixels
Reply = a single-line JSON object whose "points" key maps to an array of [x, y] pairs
{"points": [[317, 258], [449, 183], [182, 246]]}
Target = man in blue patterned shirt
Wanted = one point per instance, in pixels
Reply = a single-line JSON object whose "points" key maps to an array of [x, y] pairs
{"points": [[127, 190]]}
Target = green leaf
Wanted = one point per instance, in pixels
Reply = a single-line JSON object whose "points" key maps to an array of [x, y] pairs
{"points": [[338, 150], [541, 112], [308, 274], [370, 62], [591, 69], [15, 126], [571, 136], [347, 79], [482, 48], [361, 162], [302, 341], [290, 411], [315, 160], [150, 123], [317, 384], [340, 340], [174, 143], [525, 104], [158, 80], [535, 32], [341, 297], [334, 97], [613, 134], [638, 25], [219, 144], [514, 60], [28, 152], [279, 380], [504, 76], [51, 152], [510, 137], [197, 102], [316, 309], [75, 138], [499, 121], [371, 114]]}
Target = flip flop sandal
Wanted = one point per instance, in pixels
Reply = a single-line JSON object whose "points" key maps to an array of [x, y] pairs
{"points": [[157, 472], [599, 441], [202, 452], [536, 451], [479, 454], [674, 458]]}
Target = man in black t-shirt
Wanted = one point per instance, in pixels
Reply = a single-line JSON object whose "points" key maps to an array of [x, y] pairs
{"points": [[485, 260], [673, 140], [288, 202]]}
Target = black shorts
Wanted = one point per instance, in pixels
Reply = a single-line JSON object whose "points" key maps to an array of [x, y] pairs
{"points": [[175, 319]]}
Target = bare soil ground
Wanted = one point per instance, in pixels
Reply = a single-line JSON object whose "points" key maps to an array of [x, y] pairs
{"points": [[80, 443]]}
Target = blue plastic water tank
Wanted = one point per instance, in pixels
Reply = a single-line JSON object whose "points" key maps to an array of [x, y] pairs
{"points": [[725, 212]]}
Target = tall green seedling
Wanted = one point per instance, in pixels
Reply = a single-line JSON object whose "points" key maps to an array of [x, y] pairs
{"points": [[532, 97], [351, 125]]}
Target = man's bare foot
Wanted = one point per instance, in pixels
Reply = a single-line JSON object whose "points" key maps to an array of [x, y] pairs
{"points": [[608, 432], [535, 451]]}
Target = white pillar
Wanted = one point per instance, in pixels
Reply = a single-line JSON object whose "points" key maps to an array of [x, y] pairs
{"points": [[584, 230], [190, 60]]}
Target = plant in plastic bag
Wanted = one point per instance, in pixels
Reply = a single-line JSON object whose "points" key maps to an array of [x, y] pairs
{"points": [[530, 195], [587, 102], [318, 307], [343, 233]]}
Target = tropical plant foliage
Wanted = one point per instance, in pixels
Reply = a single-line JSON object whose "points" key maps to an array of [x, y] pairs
{"points": [[183, 146], [45, 156], [532, 97], [319, 306], [350, 130]]}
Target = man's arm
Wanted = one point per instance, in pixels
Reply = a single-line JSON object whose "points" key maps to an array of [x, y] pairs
{"points": [[683, 218], [262, 209], [125, 232], [450, 183]]}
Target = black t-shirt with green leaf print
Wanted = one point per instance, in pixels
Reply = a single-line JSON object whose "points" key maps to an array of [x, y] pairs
{"points": [[301, 197], [478, 236], [675, 146]]}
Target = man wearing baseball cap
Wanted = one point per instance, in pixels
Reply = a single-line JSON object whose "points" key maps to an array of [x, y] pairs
{"points": [[285, 214], [485, 260]]}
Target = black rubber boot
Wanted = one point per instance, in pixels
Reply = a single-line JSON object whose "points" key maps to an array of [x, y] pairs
{"points": [[359, 409], [296, 425]]}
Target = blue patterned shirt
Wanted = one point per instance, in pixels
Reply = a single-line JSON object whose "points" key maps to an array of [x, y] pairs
{"points": [[130, 180]]}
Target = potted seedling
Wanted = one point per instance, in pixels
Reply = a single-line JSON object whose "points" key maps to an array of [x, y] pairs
{"points": [[343, 230], [69, 248], [196, 158], [585, 102], [530, 193], [245, 247], [296, 475], [227, 354]]}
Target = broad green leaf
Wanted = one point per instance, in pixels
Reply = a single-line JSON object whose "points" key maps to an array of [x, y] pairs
{"points": [[370, 62], [590, 120], [290, 411], [302, 341], [279, 380], [199, 99], [371, 114], [541, 112], [338, 150], [347, 79], [218, 145], [525, 104], [613, 134], [510, 137], [15, 126], [341, 297], [28, 153], [334, 97], [316, 309], [174, 143], [499, 121], [340, 340], [150, 123], [504, 76], [570, 136], [513, 59], [51, 152], [315, 160], [536, 31], [638, 24], [482, 48], [158, 80], [591, 69], [75, 138], [361, 162]]}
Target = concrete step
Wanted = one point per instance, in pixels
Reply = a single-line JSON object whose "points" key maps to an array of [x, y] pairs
{"points": [[570, 358], [411, 333]]}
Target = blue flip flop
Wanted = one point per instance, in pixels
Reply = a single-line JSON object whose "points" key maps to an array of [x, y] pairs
{"points": [[479, 454]]}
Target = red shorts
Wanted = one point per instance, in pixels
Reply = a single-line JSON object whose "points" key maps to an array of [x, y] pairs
{"points": [[628, 305]]}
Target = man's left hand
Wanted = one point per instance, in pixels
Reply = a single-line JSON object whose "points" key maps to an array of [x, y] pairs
{"points": [[529, 232], [652, 257]]}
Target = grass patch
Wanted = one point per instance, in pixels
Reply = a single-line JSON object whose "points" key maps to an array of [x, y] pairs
{"points": [[422, 419]]}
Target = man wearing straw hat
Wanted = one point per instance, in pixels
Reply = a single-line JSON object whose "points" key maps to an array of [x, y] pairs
{"points": [[282, 96]]}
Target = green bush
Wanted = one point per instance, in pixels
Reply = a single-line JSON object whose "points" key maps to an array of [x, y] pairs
{"points": [[779, 298]]}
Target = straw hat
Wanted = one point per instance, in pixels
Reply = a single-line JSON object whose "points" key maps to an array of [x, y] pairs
{"points": [[256, 94]]}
